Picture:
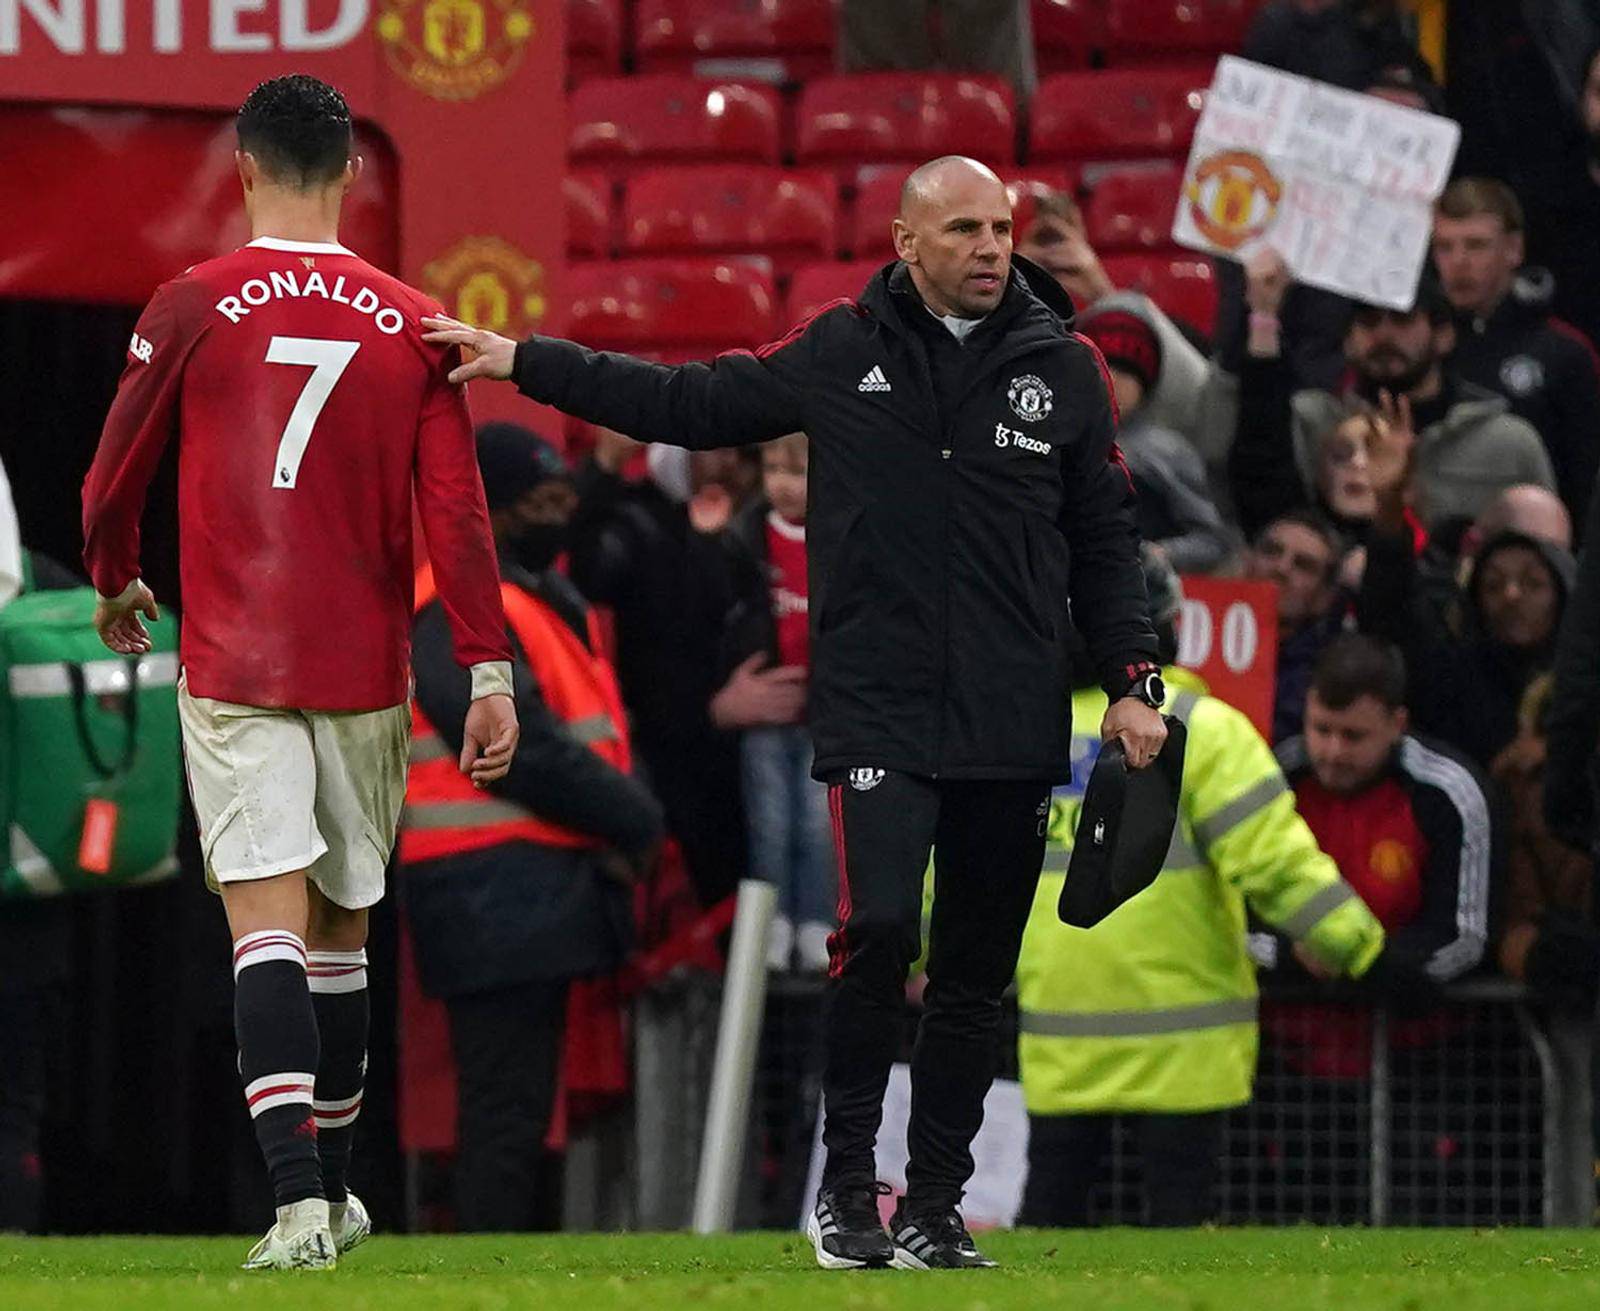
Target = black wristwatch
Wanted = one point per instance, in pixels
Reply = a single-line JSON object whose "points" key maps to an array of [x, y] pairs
{"points": [[1149, 688]]}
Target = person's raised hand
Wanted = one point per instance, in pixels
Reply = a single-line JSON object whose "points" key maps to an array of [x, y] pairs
{"points": [[754, 697], [485, 354], [489, 739], [1139, 727], [1266, 281], [117, 619], [1391, 441]]}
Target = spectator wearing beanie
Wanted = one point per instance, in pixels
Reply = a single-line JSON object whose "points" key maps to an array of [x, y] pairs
{"points": [[1176, 512]]}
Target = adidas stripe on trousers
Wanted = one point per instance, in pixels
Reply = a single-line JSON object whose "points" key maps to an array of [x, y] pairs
{"points": [[987, 839]]}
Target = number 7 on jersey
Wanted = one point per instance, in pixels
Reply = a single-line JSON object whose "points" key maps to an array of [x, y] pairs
{"points": [[327, 360]]}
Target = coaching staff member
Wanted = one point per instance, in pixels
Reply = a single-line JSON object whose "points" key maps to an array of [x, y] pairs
{"points": [[965, 485]]}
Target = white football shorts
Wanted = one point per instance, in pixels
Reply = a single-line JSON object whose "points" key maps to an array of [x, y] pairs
{"points": [[282, 790]]}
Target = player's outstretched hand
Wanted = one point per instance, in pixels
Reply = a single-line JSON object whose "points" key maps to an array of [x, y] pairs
{"points": [[486, 354], [490, 739], [117, 619], [1138, 726]]}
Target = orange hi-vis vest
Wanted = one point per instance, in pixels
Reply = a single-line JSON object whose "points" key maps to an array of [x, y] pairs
{"points": [[445, 815]]}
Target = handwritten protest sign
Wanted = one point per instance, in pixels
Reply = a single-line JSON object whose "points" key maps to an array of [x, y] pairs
{"points": [[1342, 185]]}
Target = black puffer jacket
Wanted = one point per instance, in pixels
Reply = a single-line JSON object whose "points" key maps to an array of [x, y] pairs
{"points": [[959, 492], [1572, 778], [1467, 689], [1548, 371]]}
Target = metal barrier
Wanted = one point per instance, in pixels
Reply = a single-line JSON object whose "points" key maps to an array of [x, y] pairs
{"points": [[1475, 1114]]}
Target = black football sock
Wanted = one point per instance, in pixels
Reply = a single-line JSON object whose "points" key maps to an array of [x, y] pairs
{"points": [[277, 1033], [338, 982]]}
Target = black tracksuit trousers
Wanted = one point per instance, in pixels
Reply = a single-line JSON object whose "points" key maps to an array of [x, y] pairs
{"points": [[988, 840]]}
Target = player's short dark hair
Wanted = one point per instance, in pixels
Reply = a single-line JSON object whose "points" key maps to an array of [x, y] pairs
{"points": [[1355, 665], [298, 129]]}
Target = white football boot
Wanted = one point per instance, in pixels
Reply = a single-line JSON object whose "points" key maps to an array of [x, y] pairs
{"points": [[350, 1223], [301, 1240]]}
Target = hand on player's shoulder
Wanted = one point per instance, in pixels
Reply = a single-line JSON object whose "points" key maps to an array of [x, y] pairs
{"points": [[484, 354]]}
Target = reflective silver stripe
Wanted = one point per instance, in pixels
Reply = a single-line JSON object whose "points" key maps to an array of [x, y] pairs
{"points": [[596, 728], [1262, 795], [463, 814], [428, 747], [1056, 859], [1321, 904], [1182, 853], [32, 867], [1129, 1024], [100, 677], [1183, 703]]}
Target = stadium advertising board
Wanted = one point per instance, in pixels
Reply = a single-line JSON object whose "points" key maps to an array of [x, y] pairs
{"points": [[1342, 185], [462, 104]]}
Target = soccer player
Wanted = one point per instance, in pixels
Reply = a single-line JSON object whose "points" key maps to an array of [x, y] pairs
{"points": [[307, 411]]}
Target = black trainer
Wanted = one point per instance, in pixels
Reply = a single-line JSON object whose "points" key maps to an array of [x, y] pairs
{"points": [[846, 1230], [937, 1241]]}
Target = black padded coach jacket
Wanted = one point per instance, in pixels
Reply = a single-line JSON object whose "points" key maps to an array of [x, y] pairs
{"points": [[950, 520]]}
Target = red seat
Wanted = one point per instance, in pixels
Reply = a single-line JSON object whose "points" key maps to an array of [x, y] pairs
{"points": [[869, 231], [1027, 188], [642, 305], [816, 284], [588, 204], [623, 122], [1131, 207], [1067, 32], [1120, 113], [594, 39], [1183, 283], [1142, 28], [797, 35], [869, 118], [760, 209]]}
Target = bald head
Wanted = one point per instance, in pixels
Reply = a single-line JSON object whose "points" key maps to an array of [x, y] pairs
{"points": [[954, 234], [1528, 509], [929, 182]]}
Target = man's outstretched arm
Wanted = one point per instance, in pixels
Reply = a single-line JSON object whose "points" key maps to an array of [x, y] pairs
{"points": [[738, 398]]}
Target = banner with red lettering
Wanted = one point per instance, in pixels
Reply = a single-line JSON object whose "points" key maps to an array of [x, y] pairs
{"points": [[463, 110], [1228, 634]]}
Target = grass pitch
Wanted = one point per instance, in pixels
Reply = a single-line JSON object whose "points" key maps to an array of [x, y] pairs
{"points": [[1105, 1270]]}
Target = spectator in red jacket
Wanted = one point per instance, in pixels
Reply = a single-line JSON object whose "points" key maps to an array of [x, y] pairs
{"points": [[1406, 819]]}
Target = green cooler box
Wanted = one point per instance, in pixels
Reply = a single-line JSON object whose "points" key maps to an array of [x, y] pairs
{"points": [[90, 765]]}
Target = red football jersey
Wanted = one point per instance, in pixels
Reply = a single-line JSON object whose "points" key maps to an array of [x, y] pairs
{"points": [[786, 585], [307, 408], [1373, 838]]}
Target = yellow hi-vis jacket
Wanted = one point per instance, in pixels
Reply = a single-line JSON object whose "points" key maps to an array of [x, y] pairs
{"points": [[1154, 1009]]}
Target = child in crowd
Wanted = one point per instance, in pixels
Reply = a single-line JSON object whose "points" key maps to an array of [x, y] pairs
{"points": [[768, 642]]}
